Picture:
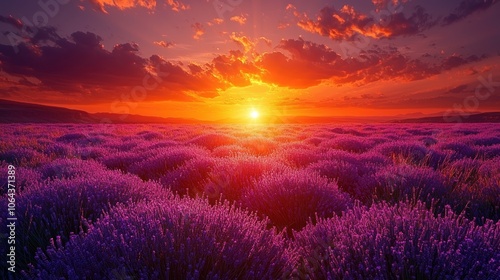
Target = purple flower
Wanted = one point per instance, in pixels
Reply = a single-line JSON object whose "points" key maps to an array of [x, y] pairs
{"points": [[171, 239], [292, 198]]}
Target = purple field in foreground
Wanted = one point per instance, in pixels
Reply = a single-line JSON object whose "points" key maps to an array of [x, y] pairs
{"points": [[384, 201]]}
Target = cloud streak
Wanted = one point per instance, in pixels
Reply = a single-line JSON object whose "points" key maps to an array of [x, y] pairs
{"points": [[467, 8]]}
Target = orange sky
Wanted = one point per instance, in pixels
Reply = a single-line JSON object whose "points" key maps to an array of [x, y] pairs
{"points": [[191, 59]]}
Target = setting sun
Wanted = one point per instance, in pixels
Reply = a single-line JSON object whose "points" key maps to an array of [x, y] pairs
{"points": [[254, 114]]}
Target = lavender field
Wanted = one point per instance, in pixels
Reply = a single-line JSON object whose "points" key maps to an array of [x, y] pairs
{"points": [[382, 201]]}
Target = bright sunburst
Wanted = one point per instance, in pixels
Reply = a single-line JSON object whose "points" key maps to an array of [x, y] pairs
{"points": [[254, 114]]}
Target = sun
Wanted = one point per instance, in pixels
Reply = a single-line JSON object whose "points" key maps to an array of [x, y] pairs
{"points": [[254, 114]]}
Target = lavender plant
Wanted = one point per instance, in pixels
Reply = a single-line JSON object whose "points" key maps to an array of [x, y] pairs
{"points": [[398, 242], [171, 239], [292, 198]]}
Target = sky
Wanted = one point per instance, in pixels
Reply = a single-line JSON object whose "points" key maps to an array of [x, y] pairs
{"points": [[224, 59]]}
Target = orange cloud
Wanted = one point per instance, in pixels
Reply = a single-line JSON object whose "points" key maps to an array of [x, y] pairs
{"points": [[177, 6], [234, 69], [248, 44], [215, 21], [127, 4], [198, 30], [243, 41], [266, 41], [163, 44], [308, 65], [239, 19], [122, 4], [347, 23]]}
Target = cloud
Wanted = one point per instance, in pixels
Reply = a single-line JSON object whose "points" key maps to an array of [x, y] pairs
{"points": [[201, 82], [12, 21], [466, 8], [249, 44], [80, 66], [239, 19], [177, 5], [27, 32], [285, 72], [390, 64], [242, 41], [235, 69], [101, 5], [164, 44], [308, 51], [389, 5], [347, 23], [454, 61], [341, 24], [215, 21], [198, 30], [75, 64], [308, 64], [266, 41]]}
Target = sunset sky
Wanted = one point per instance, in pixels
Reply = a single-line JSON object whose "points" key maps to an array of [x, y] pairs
{"points": [[224, 59]]}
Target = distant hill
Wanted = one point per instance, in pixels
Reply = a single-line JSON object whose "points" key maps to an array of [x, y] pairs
{"points": [[20, 112], [491, 117]]}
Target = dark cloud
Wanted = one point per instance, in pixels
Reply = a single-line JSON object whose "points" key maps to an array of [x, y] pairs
{"points": [[466, 8], [175, 78], [80, 65], [341, 24], [79, 60], [304, 50], [388, 4], [347, 23], [456, 61], [88, 39], [398, 24], [11, 21], [391, 64]]}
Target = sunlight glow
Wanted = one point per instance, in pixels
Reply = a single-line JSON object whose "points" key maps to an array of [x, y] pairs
{"points": [[254, 114]]}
